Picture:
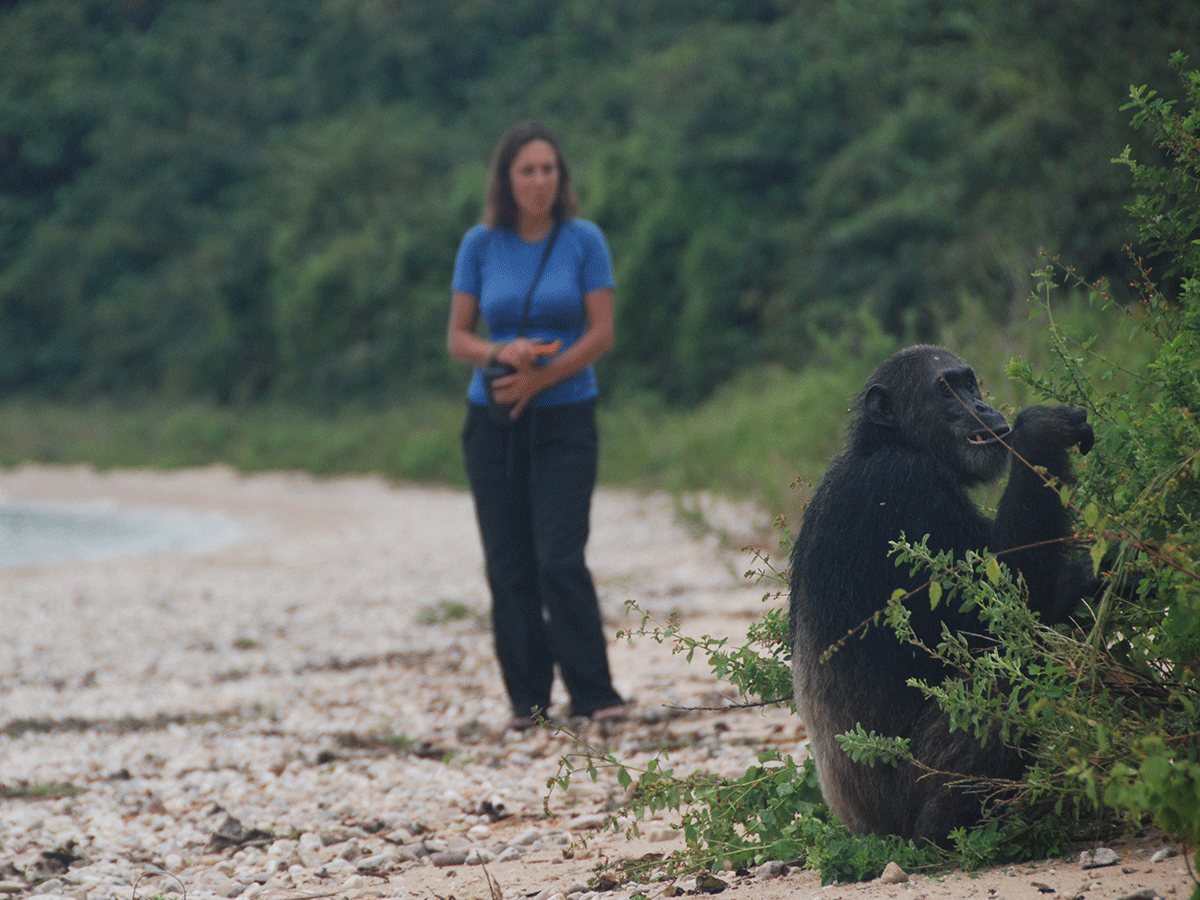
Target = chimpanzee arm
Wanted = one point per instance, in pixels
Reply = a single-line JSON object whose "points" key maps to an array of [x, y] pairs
{"points": [[1033, 527]]}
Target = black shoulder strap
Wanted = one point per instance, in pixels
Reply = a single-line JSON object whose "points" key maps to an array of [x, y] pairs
{"points": [[537, 276]]}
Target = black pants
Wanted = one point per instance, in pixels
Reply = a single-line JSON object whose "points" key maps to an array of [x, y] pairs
{"points": [[532, 480]]}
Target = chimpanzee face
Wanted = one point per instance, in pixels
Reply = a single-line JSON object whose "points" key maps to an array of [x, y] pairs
{"points": [[975, 431], [927, 399]]}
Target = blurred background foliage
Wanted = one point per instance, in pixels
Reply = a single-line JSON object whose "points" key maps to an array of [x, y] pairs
{"points": [[232, 203]]}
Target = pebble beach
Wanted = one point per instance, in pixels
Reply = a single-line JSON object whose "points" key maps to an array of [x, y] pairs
{"points": [[300, 701]]}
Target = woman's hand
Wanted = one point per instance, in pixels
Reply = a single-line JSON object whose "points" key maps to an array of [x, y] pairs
{"points": [[530, 379], [523, 353]]}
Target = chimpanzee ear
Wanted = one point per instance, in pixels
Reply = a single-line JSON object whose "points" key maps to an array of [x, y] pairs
{"points": [[878, 404]]}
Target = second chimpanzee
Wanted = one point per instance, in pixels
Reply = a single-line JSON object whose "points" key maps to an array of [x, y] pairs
{"points": [[919, 437]]}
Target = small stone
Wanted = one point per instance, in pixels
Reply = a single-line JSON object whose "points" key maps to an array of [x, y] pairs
{"points": [[710, 884], [479, 833], [232, 833], [236, 889], [661, 835], [587, 823], [477, 856], [495, 808], [12, 887], [1163, 853], [771, 869], [527, 837], [606, 881], [338, 866], [1098, 858], [446, 858], [1143, 894], [893, 874], [373, 865]]}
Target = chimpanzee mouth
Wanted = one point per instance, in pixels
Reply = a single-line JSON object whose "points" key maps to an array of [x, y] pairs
{"points": [[981, 438]]}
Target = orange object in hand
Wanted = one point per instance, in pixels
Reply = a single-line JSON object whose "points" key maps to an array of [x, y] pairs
{"points": [[548, 349]]}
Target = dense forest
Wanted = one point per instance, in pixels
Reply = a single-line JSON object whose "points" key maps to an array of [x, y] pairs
{"points": [[237, 200]]}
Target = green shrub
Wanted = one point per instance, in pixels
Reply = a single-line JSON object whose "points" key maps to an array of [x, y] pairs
{"points": [[1140, 498], [1110, 707]]}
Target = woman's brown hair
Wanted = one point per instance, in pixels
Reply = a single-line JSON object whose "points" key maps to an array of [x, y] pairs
{"points": [[500, 209]]}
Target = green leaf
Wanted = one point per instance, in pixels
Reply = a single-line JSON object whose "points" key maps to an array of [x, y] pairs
{"points": [[992, 567]]}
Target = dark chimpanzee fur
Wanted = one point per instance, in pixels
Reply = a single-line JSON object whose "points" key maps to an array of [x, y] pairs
{"points": [[920, 436]]}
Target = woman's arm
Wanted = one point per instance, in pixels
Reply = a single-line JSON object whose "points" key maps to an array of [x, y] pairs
{"points": [[461, 340], [530, 380]]}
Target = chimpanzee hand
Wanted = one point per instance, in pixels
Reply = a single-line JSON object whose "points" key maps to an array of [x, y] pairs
{"points": [[1053, 428]]}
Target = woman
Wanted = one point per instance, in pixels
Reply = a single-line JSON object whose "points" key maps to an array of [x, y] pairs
{"points": [[533, 471]]}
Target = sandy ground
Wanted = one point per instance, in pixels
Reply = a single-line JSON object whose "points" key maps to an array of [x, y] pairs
{"points": [[316, 660]]}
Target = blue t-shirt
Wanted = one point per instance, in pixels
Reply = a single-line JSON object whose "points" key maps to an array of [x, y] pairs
{"points": [[496, 266]]}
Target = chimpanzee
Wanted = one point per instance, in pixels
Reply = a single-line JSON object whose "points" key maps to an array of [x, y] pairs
{"points": [[919, 437]]}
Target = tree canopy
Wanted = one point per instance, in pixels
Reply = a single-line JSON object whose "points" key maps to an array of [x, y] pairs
{"points": [[234, 200]]}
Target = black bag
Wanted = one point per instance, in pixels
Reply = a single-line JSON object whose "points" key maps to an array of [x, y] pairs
{"points": [[499, 412], [502, 412]]}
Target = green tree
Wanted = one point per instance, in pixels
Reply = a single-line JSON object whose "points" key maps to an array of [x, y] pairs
{"points": [[764, 171]]}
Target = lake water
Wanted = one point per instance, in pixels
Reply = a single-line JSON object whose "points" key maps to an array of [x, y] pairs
{"points": [[36, 533]]}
